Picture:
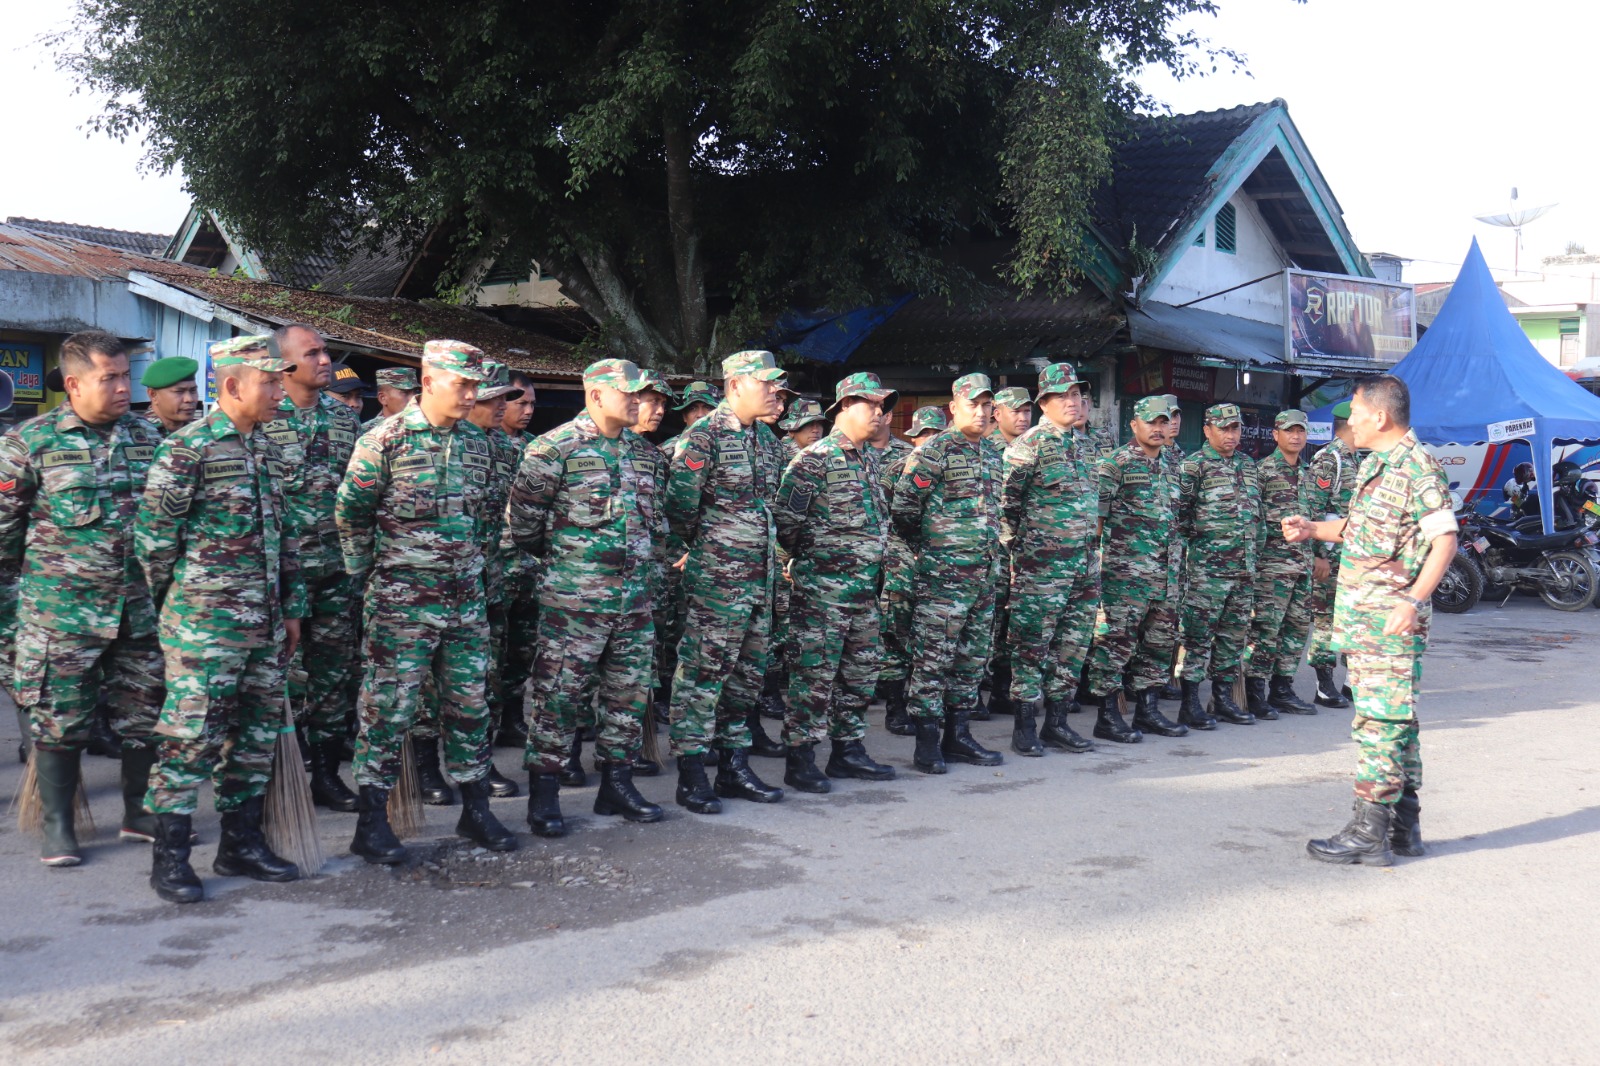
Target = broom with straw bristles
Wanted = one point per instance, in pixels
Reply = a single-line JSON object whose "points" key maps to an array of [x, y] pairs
{"points": [[406, 816], [290, 818], [29, 807]]}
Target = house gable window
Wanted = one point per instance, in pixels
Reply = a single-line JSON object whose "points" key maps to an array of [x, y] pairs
{"points": [[1227, 238]]}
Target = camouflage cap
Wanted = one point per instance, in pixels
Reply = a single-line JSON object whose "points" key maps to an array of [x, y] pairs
{"points": [[971, 387], [1153, 407], [1172, 398], [249, 350], [698, 392], [760, 364], [785, 388], [1014, 397], [1059, 377], [802, 413], [656, 381], [619, 374], [1223, 414], [497, 382], [1341, 410], [869, 386], [164, 373], [457, 357], [399, 377], [1289, 418], [927, 420]]}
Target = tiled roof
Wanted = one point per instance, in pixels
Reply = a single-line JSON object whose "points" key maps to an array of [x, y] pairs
{"points": [[933, 331], [126, 240]]}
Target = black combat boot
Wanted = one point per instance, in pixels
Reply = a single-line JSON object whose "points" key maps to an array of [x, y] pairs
{"points": [[849, 758], [618, 795], [927, 757], [170, 873], [643, 767], [896, 719], [243, 851], [1111, 726], [1000, 702], [772, 689], [1057, 735], [760, 743], [544, 805], [1172, 691], [1225, 707], [1024, 739], [735, 779], [57, 773], [1405, 833], [1328, 694], [694, 791], [513, 732], [326, 788], [572, 775], [980, 706], [501, 786], [478, 823], [1147, 716], [959, 746], [1284, 698], [375, 840], [139, 826], [1255, 695], [436, 791], [800, 770], [1192, 712], [1365, 840]]}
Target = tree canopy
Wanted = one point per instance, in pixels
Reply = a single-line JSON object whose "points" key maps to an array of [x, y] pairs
{"points": [[686, 170]]}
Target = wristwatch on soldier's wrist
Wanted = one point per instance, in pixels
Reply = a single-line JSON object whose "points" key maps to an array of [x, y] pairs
{"points": [[1412, 600]]}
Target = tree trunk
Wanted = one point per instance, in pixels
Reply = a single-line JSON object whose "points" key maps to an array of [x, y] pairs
{"points": [[591, 278], [694, 325]]}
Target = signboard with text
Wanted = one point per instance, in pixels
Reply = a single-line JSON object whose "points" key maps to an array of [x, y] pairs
{"points": [[24, 364], [1348, 318], [1150, 372]]}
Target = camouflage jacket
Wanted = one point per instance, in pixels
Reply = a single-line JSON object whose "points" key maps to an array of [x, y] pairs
{"points": [[651, 466], [1049, 505], [897, 559], [68, 498], [1283, 493], [833, 518], [316, 444], [416, 497], [155, 422], [947, 503], [579, 502], [1101, 441], [1331, 479], [1401, 503], [1172, 458], [372, 423], [503, 458], [718, 505], [1137, 516], [1219, 508], [213, 536]]}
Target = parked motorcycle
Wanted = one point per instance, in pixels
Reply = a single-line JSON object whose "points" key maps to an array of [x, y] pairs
{"points": [[1560, 566], [1462, 585]]}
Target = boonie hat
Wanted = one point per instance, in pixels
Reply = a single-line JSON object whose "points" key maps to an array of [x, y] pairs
{"points": [[497, 382], [802, 413], [699, 392], [867, 385], [927, 420]]}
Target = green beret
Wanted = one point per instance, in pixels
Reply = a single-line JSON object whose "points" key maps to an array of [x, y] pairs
{"points": [[169, 371]]}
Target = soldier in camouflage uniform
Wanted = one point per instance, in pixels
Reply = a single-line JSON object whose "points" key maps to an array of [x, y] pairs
{"points": [[397, 387], [1013, 414], [1219, 506], [1137, 625], [411, 513], [522, 589], [654, 400], [1172, 456], [947, 508], [1049, 509], [1332, 480], [1101, 440], [698, 400], [316, 434], [584, 500], [833, 519], [894, 597], [1282, 577], [719, 507], [1398, 542], [70, 484], [219, 548], [174, 396], [803, 425]]}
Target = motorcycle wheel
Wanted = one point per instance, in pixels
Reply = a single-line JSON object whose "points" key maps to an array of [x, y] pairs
{"points": [[1460, 588], [1573, 583]]}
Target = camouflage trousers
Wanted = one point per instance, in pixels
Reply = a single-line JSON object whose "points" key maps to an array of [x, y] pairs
{"points": [[1385, 726], [1002, 612], [1320, 650], [9, 576], [58, 678], [1282, 622], [837, 648], [224, 710], [722, 661], [669, 629], [1214, 625], [780, 645], [321, 675], [426, 724], [952, 639], [1136, 632], [1051, 632], [584, 656], [895, 608], [420, 623], [521, 635]]}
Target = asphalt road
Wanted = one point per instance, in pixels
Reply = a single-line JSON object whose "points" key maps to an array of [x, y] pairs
{"points": [[1150, 903]]}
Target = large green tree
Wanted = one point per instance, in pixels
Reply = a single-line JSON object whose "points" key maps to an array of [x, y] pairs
{"points": [[684, 169]]}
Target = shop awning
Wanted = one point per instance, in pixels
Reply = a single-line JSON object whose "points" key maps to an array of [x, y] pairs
{"points": [[1230, 340]]}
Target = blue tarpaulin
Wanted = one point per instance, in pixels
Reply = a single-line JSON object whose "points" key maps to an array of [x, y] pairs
{"points": [[829, 337]]}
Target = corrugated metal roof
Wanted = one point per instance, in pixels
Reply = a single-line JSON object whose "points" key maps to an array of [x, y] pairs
{"points": [[123, 239], [39, 253]]}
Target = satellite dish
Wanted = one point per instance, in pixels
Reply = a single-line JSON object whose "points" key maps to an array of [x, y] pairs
{"points": [[1514, 220], [8, 392]]}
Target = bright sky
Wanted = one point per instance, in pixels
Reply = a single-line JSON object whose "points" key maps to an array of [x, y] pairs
{"points": [[1421, 116]]}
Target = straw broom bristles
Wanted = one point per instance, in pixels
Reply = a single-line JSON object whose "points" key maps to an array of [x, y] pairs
{"points": [[406, 816], [29, 807], [290, 818]]}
